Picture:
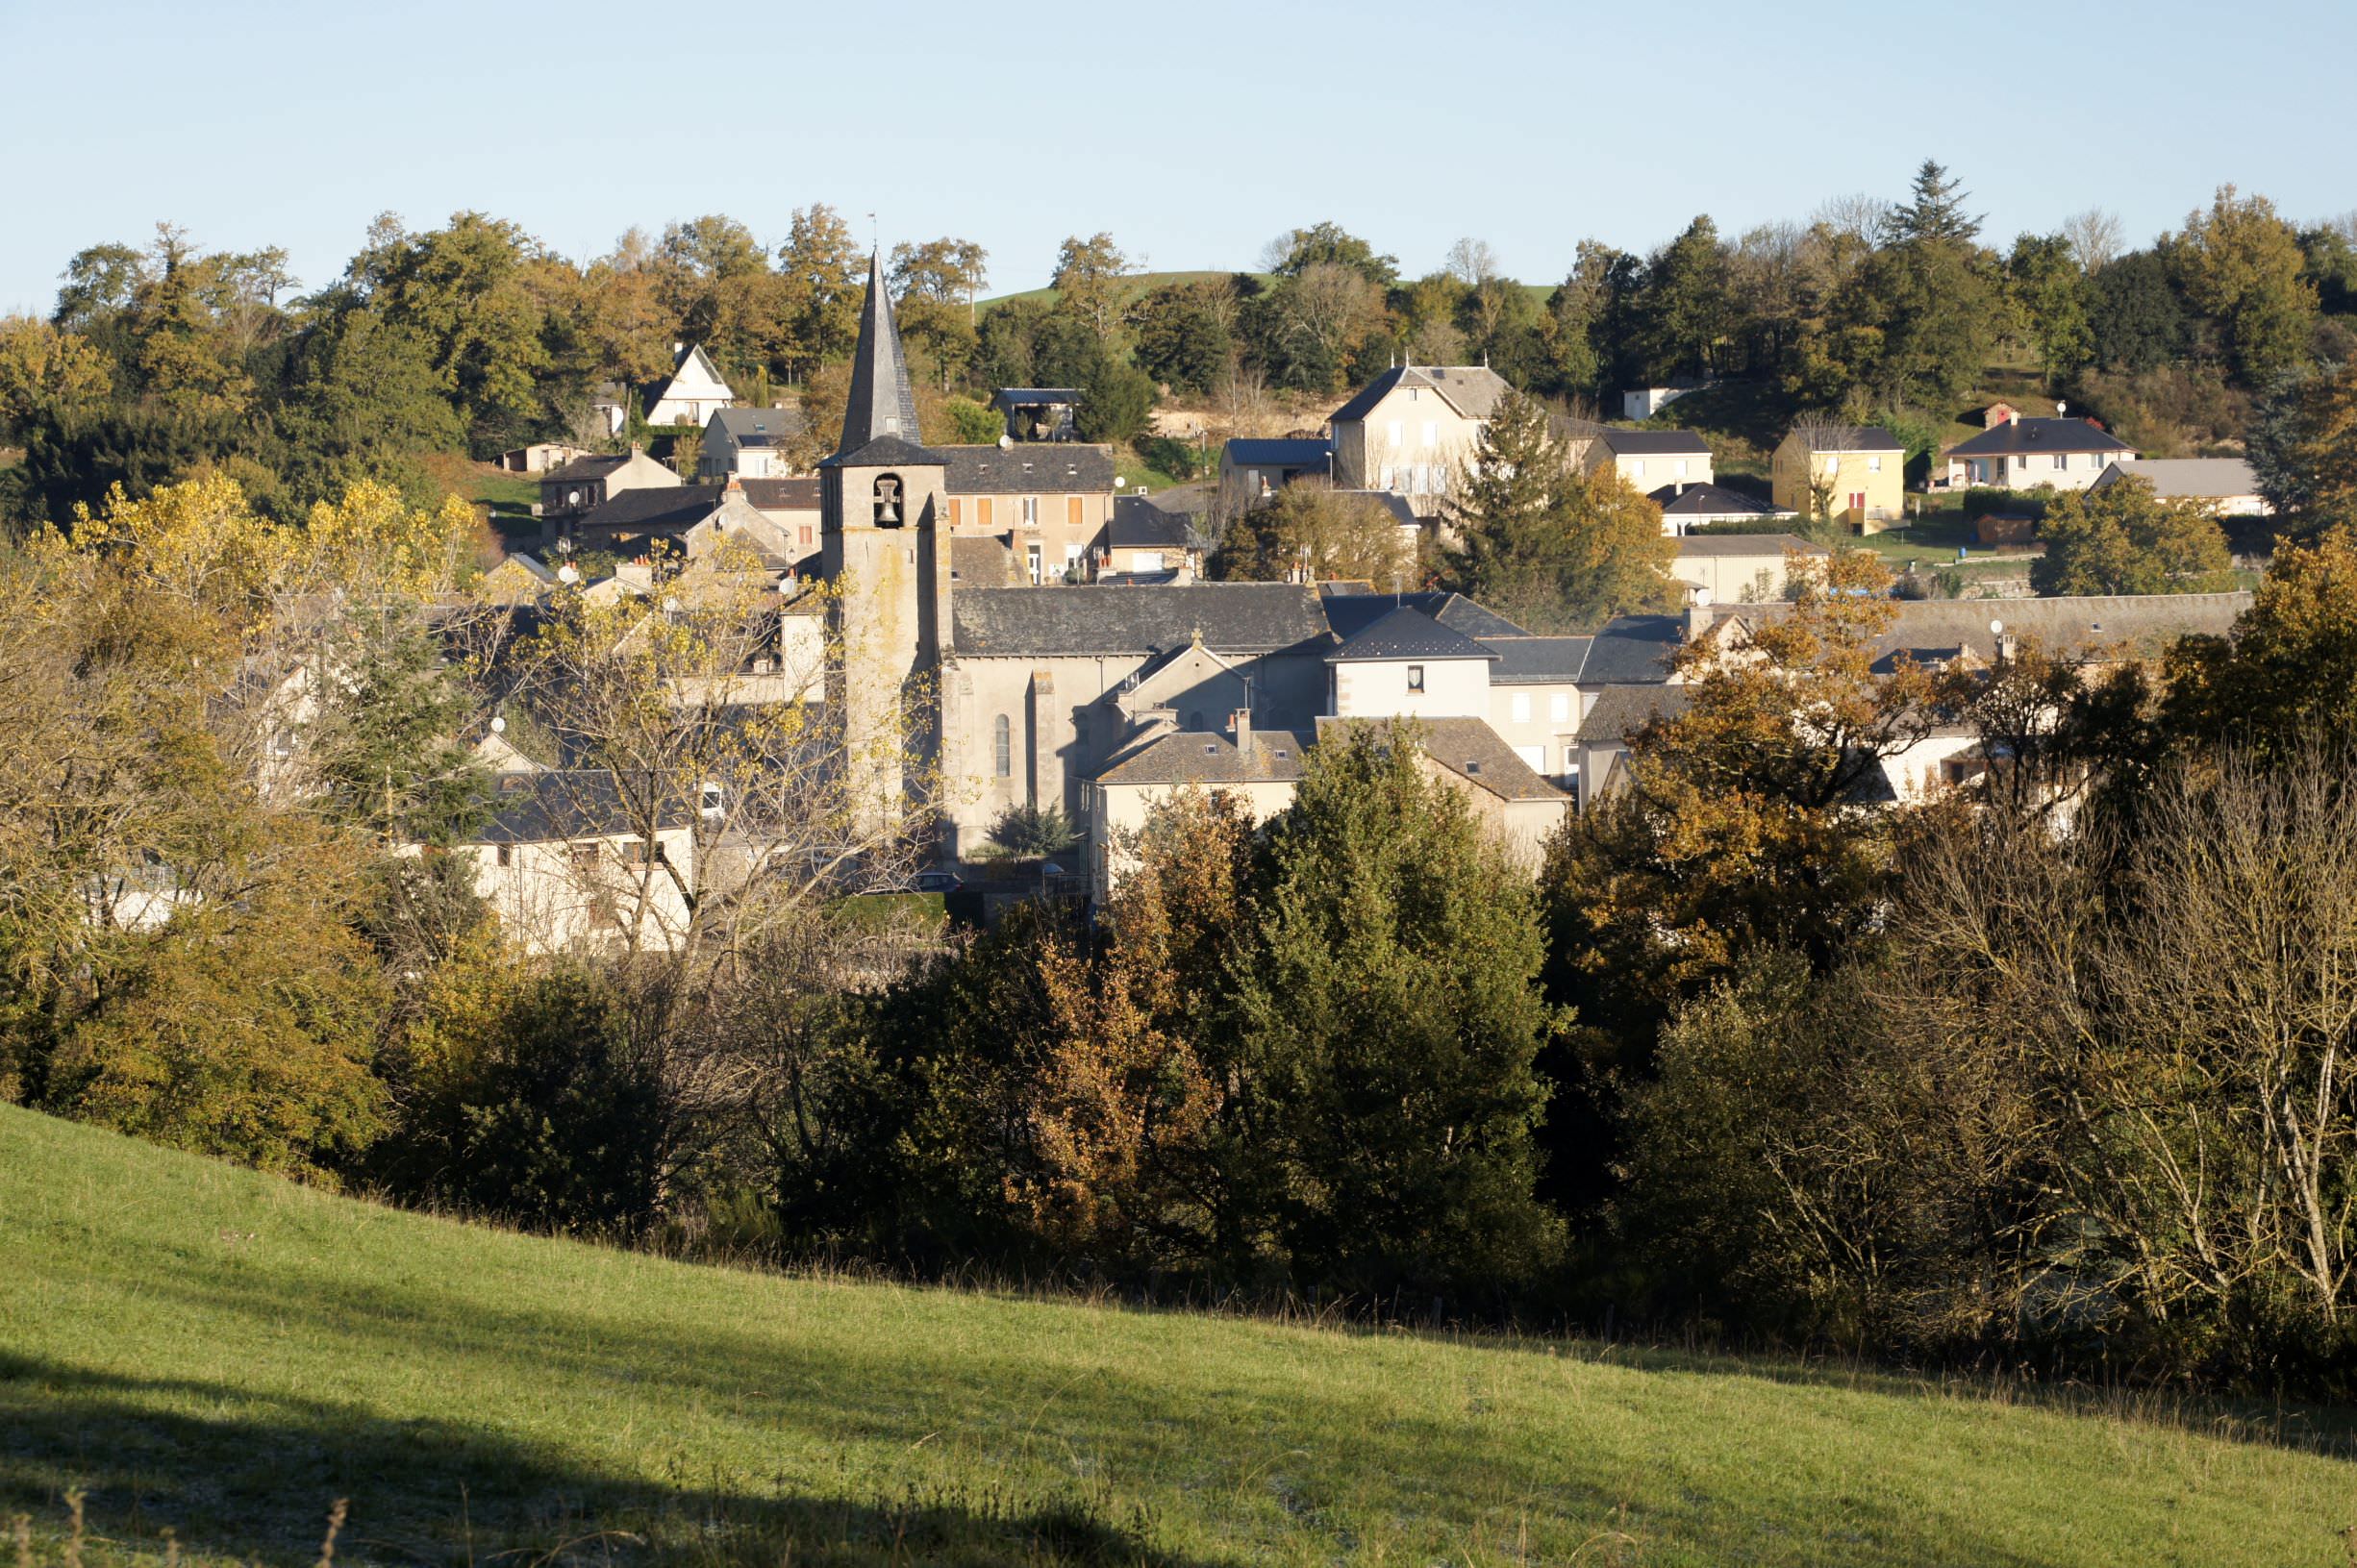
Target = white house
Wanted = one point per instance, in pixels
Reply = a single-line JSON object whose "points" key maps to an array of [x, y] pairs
{"points": [[1650, 458], [2018, 454], [1410, 428], [692, 394], [563, 864]]}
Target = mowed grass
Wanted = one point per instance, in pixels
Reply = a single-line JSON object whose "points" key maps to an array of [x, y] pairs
{"points": [[223, 1353]]}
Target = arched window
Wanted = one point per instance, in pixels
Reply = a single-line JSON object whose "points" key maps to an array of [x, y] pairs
{"points": [[890, 502], [1002, 747]]}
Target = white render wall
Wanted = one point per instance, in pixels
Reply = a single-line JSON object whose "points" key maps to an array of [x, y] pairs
{"points": [[1454, 689]]}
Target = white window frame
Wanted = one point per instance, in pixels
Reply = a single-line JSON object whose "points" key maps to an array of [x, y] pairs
{"points": [[1559, 708], [1520, 705], [1432, 432], [1398, 433]]}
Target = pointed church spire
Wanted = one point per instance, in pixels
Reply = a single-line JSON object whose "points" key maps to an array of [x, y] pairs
{"points": [[882, 403]]}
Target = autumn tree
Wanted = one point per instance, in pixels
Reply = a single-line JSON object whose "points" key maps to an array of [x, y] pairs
{"points": [[2123, 538], [1091, 280], [1309, 528], [2241, 266]]}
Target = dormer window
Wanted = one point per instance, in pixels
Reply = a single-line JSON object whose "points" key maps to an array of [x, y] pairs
{"points": [[888, 502]]}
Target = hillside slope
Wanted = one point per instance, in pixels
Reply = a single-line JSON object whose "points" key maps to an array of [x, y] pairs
{"points": [[223, 1352]]}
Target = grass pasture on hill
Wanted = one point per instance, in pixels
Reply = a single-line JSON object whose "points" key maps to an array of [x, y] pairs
{"points": [[223, 1353]]}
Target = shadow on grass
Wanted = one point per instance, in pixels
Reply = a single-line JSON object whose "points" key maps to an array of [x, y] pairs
{"points": [[256, 1489]]}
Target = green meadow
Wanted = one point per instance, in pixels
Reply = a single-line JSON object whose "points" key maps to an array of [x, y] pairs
{"points": [[202, 1351]]}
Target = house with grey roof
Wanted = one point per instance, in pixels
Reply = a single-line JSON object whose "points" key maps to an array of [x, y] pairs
{"points": [[1411, 428], [1688, 504], [1650, 458], [749, 443], [1146, 544], [2228, 486], [1252, 471], [2019, 454], [572, 859], [1739, 568], [587, 484], [1049, 504]]}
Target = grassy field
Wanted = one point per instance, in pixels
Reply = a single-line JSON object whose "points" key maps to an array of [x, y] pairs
{"points": [[216, 1353]]}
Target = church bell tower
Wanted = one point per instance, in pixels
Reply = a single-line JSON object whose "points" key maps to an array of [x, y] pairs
{"points": [[886, 551]]}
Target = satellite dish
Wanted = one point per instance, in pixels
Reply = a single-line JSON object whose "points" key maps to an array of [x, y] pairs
{"points": [[499, 726], [569, 574], [1119, 482], [1996, 629], [2061, 408], [1005, 440]]}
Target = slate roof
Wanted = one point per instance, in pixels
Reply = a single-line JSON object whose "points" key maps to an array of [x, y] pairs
{"points": [[882, 404], [1528, 661], [662, 509], [584, 468], [1352, 607], [1260, 453], [2185, 479], [760, 427], [885, 452], [981, 561], [1466, 747], [1232, 617], [1701, 545], [1406, 632], [2021, 435], [1210, 758], [1654, 443], [1712, 501], [782, 494], [693, 351], [1853, 438], [1028, 468], [1633, 650], [550, 804], [1618, 710], [1473, 390], [1138, 524]]}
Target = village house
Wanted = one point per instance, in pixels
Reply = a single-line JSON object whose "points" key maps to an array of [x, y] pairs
{"points": [[2019, 454], [1856, 473], [561, 861], [1688, 506], [692, 393], [1648, 460], [541, 457], [1049, 506], [586, 483], [1146, 544], [2227, 486], [1738, 568], [1409, 429], [749, 443], [1252, 471]]}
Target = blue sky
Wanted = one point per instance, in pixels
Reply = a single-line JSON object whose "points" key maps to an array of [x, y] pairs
{"points": [[1192, 132]]}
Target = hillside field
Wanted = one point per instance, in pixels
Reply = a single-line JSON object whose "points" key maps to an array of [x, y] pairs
{"points": [[223, 1353]]}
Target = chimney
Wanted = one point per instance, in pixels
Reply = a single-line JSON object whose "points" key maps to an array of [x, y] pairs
{"points": [[1242, 722], [1698, 621]]}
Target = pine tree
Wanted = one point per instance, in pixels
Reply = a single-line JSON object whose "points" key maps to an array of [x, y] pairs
{"points": [[1936, 210], [1389, 1026]]}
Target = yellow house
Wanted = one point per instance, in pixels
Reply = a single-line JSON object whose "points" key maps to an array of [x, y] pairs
{"points": [[1856, 472]]}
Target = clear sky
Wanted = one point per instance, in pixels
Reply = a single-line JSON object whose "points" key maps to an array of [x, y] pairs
{"points": [[1192, 131]]}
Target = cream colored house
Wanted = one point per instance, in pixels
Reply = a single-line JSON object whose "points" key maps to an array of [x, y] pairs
{"points": [[1410, 428], [1648, 460], [1049, 501], [1859, 472], [2227, 486], [1738, 568], [587, 484], [564, 865]]}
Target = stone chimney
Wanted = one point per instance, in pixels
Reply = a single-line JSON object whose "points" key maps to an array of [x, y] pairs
{"points": [[1242, 725]]}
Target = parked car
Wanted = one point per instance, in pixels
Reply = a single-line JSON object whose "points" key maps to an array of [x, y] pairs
{"points": [[938, 881]]}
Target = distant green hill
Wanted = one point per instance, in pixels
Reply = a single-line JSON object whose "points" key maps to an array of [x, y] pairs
{"points": [[223, 1353], [1142, 281]]}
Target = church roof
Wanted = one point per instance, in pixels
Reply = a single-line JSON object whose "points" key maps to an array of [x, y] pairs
{"points": [[883, 452], [1028, 468], [1078, 622], [882, 402]]}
